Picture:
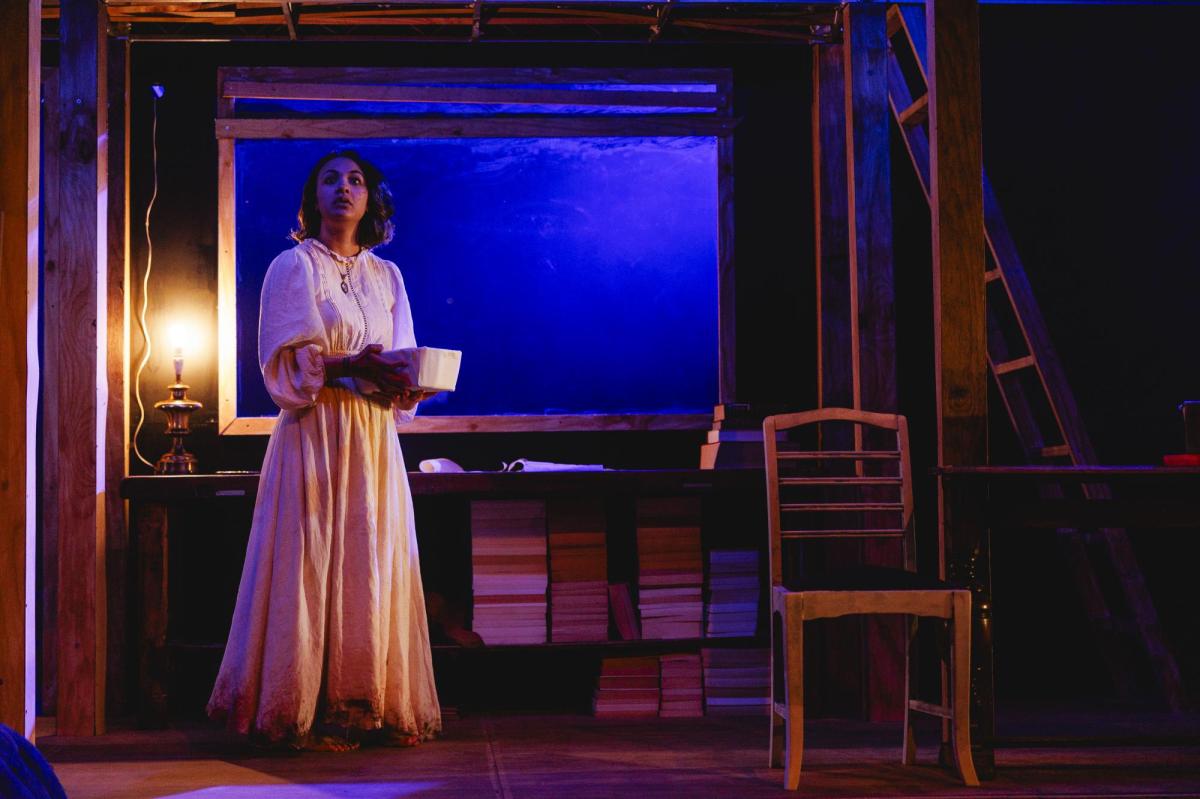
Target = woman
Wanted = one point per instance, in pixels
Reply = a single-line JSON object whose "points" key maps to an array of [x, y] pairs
{"points": [[329, 632]]}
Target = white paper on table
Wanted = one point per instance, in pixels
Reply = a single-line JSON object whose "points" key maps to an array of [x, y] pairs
{"points": [[440, 465], [525, 465]]}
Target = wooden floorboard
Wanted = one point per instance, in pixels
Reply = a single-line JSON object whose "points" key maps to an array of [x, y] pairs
{"points": [[580, 757]]}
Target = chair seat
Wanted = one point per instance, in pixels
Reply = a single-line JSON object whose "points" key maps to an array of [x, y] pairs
{"points": [[865, 578]]}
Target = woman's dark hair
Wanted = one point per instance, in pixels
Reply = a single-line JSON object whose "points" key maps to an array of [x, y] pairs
{"points": [[375, 228]]}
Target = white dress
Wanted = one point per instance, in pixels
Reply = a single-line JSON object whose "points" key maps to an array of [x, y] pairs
{"points": [[330, 618]]}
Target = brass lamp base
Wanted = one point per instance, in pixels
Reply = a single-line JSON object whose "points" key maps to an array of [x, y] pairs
{"points": [[176, 463], [178, 409]]}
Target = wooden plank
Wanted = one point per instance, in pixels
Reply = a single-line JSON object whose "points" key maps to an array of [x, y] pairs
{"points": [[868, 163], [477, 127], [82, 370], [838, 682], [150, 521], [263, 425], [478, 76], [835, 382], [960, 337], [872, 276], [831, 604], [48, 498], [467, 95], [624, 482], [1024, 362], [845, 507], [20, 93], [726, 277], [916, 113], [116, 451], [228, 422]]}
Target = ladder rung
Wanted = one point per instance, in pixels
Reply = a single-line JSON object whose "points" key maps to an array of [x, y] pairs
{"points": [[916, 113], [873, 455], [1024, 362], [990, 275], [840, 481], [1056, 451], [835, 507], [930, 709], [875, 533]]}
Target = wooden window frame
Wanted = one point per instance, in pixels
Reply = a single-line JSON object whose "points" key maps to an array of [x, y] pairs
{"points": [[397, 85]]}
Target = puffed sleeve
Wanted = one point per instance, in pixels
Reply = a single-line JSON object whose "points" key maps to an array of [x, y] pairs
{"points": [[291, 337], [402, 328]]}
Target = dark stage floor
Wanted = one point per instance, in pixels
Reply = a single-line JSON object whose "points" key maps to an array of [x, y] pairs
{"points": [[579, 757]]}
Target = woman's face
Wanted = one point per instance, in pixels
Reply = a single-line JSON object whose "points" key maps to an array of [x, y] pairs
{"points": [[342, 192]]}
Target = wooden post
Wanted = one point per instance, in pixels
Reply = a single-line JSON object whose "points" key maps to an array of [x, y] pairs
{"points": [[117, 556], [838, 641], [20, 132], [960, 337], [726, 285], [868, 164], [873, 283], [81, 327], [48, 497]]}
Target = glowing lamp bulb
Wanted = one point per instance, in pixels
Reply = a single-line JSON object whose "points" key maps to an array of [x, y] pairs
{"points": [[180, 336]]}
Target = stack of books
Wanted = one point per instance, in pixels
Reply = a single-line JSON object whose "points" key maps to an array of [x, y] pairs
{"points": [[627, 687], [578, 571], [670, 568], [733, 586], [735, 439], [682, 691], [737, 681], [508, 565]]}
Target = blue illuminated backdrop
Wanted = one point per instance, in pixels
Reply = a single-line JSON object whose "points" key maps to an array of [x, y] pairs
{"points": [[577, 275]]}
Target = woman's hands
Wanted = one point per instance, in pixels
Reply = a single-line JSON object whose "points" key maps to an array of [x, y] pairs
{"points": [[408, 399], [390, 377]]}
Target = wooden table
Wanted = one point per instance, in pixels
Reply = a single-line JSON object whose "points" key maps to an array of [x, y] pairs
{"points": [[979, 499], [153, 499]]}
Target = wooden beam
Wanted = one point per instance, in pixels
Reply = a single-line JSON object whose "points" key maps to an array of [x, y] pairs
{"points": [[726, 277], [467, 95], [117, 420], [48, 494], [873, 308], [81, 328], [20, 130], [472, 127], [835, 378], [960, 331], [868, 164]]}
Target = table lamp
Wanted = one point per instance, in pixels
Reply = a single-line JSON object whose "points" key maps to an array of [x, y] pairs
{"points": [[178, 410]]}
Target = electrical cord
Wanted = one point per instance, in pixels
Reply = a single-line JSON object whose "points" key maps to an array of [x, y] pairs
{"points": [[137, 379]]}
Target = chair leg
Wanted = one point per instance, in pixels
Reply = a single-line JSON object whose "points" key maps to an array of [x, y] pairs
{"points": [[775, 675], [793, 678], [961, 688], [908, 755], [945, 678]]}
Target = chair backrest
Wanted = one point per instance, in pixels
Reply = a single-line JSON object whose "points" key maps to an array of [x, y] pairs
{"points": [[837, 473]]}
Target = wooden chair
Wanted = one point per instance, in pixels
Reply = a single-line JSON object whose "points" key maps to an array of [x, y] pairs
{"points": [[833, 474]]}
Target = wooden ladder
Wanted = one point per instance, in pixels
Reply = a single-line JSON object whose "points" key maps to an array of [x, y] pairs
{"points": [[1032, 383]]}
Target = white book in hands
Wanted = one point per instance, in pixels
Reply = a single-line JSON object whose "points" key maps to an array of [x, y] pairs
{"points": [[428, 369]]}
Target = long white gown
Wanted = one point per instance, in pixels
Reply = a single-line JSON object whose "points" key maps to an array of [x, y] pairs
{"points": [[330, 618]]}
